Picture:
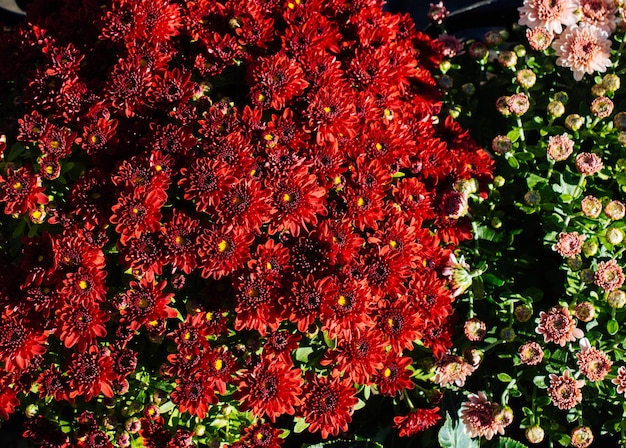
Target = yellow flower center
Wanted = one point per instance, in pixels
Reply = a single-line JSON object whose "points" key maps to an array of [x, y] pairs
{"points": [[223, 246]]}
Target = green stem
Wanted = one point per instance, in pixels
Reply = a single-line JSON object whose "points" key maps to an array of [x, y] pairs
{"points": [[522, 136], [579, 186]]}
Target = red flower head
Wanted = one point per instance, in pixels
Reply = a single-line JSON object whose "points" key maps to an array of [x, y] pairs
{"points": [[328, 404], [20, 341], [90, 374], [262, 435], [270, 389], [145, 304], [21, 191], [194, 395], [275, 81], [137, 212], [80, 323], [416, 421]]}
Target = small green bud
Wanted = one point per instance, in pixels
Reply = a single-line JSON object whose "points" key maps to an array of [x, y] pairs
{"points": [[616, 298], [520, 50], [574, 122], [523, 312], [498, 181], [444, 66], [32, 410], [556, 109], [611, 82], [496, 222], [614, 235], [590, 248], [507, 334]]}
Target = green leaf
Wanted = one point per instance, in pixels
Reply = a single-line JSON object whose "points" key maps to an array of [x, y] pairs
{"points": [[513, 134], [453, 435], [166, 407], [513, 163], [302, 354], [612, 326], [300, 425], [360, 404], [492, 279], [504, 377], [506, 442], [532, 180]]}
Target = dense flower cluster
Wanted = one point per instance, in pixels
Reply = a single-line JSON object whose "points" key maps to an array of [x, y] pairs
{"points": [[225, 213], [546, 94]]}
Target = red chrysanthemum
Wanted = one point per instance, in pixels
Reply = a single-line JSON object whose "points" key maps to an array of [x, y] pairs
{"points": [[22, 191], [146, 304], [80, 323], [194, 395], [270, 389], [90, 374], [416, 421], [328, 404], [20, 342]]}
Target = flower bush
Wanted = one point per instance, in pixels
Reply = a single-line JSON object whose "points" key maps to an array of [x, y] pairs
{"points": [[542, 351], [224, 222]]}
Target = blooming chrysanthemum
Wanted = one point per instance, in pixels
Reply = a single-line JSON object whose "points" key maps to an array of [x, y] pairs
{"points": [[569, 244], [416, 421], [19, 341], [478, 415], [560, 147], [600, 13], [583, 48], [328, 405], [452, 369], [558, 326], [530, 353], [270, 389], [90, 374], [262, 435], [609, 275], [565, 391], [552, 15], [194, 395], [620, 380], [593, 363]]}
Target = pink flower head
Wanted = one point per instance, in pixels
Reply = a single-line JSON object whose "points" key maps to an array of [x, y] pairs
{"points": [[560, 147], [452, 369], [565, 390], [600, 13], [593, 363], [569, 244], [539, 38], [482, 417], [588, 163], [584, 49], [609, 275], [558, 326], [549, 14]]}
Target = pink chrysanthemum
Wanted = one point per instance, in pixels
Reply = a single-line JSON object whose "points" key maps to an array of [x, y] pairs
{"points": [[452, 369], [609, 275], [558, 326], [593, 363], [600, 13], [482, 417], [565, 390], [584, 49], [560, 147], [530, 353], [549, 14], [569, 244]]}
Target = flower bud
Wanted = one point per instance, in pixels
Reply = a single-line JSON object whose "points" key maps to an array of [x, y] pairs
{"points": [[591, 206], [444, 66], [587, 276], [492, 38], [574, 122], [619, 121], [582, 437], [555, 109], [520, 50], [616, 298], [523, 312], [585, 311], [621, 138], [123, 439], [507, 59], [502, 106], [478, 51], [590, 248], [475, 329], [133, 425], [615, 210], [574, 263], [561, 96], [602, 107], [614, 235], [598, 90], [32, 410], [508, 334], [445, 82], [468, 89], [526, 78], [501, 144], [199, 430], [535, 434], [499, 181], [518, 104], [611, 82], [496, 222], [532, 197]]}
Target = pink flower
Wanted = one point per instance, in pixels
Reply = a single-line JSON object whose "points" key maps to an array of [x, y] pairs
{"points": [[584, 49], [600, 13], [609, 275], [593, 363], [569, 244], [558, 326], [588, 163], [482, 417], [550, 14], [565, 390], [560, 147]]}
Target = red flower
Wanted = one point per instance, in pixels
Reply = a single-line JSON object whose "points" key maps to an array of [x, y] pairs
{"points": [[223, 250], [416, 421], [146, 304], [297, 201], [8, 400], [179, 236], [19, 342], [275, 81], [80, 323], [128, 86], [344, 311], [194, 395], [304, 303], [262, 435], [137, 212], [331, 113], [399, 326], [21, 191], [256, 300], [52, 383], [245, 203], [270, 389], [357, 359], [90, 374], [328, 405], [99, 135], [393, 376]]}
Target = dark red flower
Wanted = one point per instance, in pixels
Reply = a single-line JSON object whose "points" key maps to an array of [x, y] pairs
{"points": [[179, 236], [262, 435], [137, 212], [393, 376], [270, 389], [79, 323], [145, 304], [22, 191], [194, 395], [275, 81], [90, 374], [52, 383], [223, 250], [20, 342], [328, 404], [416, 421]]}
